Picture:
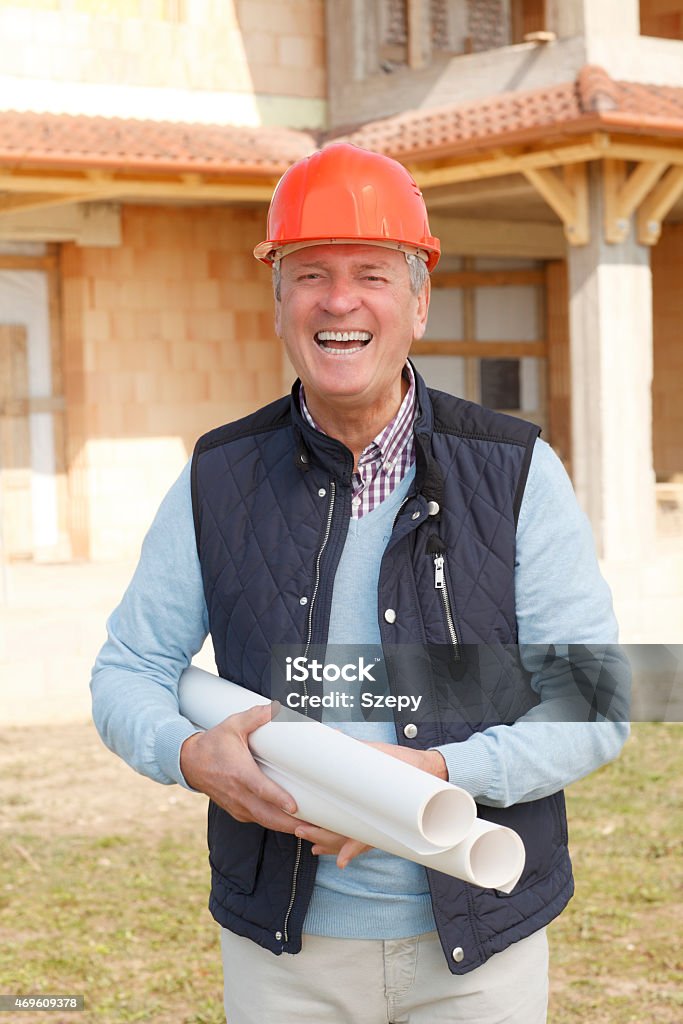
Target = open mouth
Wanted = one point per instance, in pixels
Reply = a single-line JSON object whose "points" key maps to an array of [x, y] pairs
{"points": [[342, 343]]}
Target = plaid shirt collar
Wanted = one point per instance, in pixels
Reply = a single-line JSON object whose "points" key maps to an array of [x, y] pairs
{"points": [[385, 461]]}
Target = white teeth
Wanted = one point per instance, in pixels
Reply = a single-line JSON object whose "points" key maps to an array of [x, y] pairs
{"points": [[342, 351], [344, 336]]}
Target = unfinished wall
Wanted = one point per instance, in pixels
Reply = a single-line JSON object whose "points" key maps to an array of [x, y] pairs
{"points": [[165, 337], [667, 387], [222, 61], [365, 82]]}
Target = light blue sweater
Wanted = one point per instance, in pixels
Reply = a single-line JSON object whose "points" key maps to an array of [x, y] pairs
{"points": [[560, 596]]}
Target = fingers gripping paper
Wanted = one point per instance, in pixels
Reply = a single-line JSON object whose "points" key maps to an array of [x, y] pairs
{"points": [[351, 788]]}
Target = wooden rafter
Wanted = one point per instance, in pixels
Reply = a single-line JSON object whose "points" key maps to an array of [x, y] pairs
{"points": [[486, 278], [14, 261], [481, 349], [508, 161], [37, 200], [623, 193], [568, 198], [655, 207], [86, 187], [620, 148], [555, 168]]}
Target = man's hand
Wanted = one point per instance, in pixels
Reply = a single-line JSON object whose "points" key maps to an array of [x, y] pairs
{"points": [[430, 761], [218, 762], [331, 843]]}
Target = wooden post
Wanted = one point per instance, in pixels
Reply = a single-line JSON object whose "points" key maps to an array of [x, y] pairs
{"points": [[16, 513]]}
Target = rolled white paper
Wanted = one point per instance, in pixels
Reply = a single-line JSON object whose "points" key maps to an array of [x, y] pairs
{"points": [[358, 791]]}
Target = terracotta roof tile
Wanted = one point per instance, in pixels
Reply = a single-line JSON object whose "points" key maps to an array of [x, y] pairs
{"points": [[55, 140], [591, 102], [594, 100]]}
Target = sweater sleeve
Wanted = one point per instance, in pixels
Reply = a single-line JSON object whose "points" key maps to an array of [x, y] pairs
{"points": [[152, 636], [561, 600]]}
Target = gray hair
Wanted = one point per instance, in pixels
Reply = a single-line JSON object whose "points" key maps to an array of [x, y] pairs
{"points": [[417, 268]]}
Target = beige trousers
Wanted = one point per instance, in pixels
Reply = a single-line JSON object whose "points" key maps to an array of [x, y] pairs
{"points": [[396, 981]]}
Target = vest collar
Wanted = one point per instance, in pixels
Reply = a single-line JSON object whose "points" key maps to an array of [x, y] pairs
{"points": [[312, 445]]}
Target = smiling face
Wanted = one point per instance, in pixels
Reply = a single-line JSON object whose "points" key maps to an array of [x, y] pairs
{"points": [[347, 317]]}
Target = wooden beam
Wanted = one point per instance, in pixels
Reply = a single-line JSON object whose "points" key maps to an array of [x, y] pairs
{"points": [[508, 161], [559, 369], [472, 366], [568, 198], [487, 278], [481, 349], [655, 207], [25, 406], [576, 180], [462, 236], [620, 148], [556, 194], [33, 201], [516, 160], [10, 262], [508, 187], [623, 194], [80, 188], [417, 36]]}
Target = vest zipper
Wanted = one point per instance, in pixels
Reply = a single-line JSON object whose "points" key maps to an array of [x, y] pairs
{"points": [[309, 636], [441, 585]]}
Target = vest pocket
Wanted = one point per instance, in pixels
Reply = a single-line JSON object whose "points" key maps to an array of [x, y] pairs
{"points": [[541, 825], [436, 549], [235, 849]]}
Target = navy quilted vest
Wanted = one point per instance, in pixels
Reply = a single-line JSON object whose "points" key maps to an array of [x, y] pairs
{"points": [[272, 500]]}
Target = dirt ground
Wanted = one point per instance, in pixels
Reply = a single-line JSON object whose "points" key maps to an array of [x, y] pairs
{"points": [[616, 950], [65, 779]]}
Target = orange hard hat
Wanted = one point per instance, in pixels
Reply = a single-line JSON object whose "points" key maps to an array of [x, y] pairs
{"points": [[346, 194]]}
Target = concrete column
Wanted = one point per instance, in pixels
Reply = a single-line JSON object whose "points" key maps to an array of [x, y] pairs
{"points": [[610, 317], [607, 18]]}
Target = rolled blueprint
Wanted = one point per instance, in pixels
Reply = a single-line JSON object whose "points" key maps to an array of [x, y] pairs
{"points": [[349, 787]]}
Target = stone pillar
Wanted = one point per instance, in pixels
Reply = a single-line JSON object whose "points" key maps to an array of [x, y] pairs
{"points": [[610, 316], [608, 18]]}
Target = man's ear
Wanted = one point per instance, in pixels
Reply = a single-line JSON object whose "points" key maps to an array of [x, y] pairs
{"points": [[422, 310]]}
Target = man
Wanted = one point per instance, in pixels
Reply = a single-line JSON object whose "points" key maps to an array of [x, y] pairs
{"points": [[367, 511]]}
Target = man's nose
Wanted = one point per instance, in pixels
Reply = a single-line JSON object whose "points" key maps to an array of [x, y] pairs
{"points": [[341, 297]]}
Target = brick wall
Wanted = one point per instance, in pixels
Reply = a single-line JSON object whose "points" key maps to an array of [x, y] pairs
{"points": [[164, 337], [667, 389], [272, 47], [284, 43]]}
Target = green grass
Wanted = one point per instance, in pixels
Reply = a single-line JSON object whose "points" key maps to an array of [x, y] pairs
{"points": [[122, 918], [617, 951]]}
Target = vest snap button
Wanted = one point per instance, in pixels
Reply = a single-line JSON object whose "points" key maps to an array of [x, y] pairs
{"points": [[458, 954], [322, 492], [390, 616], [415, 515], [303, 600], [410, 731], [433, 508], [278, 936]]}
